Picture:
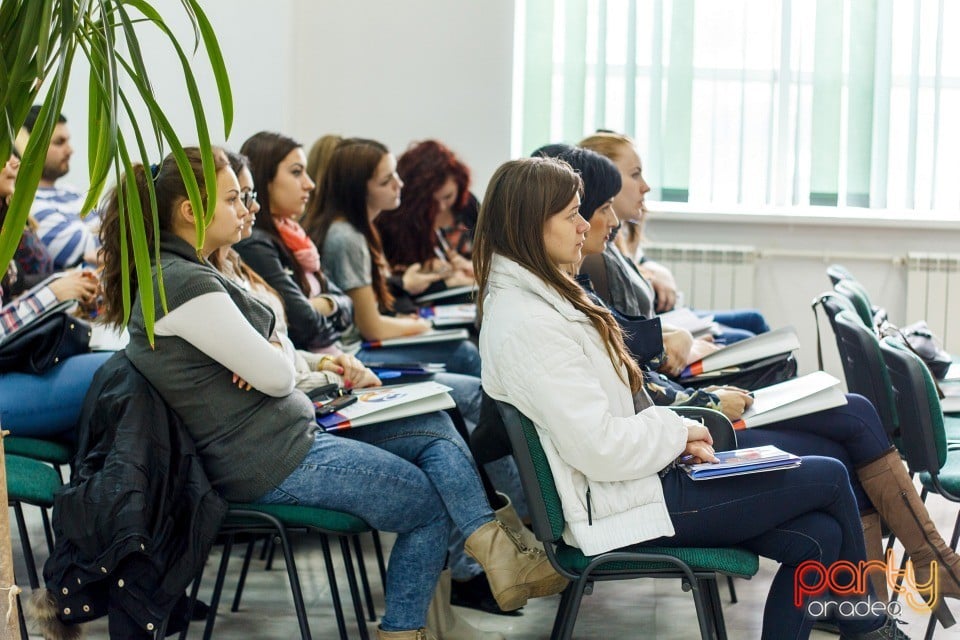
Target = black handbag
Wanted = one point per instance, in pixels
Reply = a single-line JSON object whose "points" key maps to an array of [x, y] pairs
{"points": [[45, 341]]}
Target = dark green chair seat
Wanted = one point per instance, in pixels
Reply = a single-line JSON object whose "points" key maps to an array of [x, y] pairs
{"points": [[734, 562], [696, 567], [52, 451], [30, 481], [951, 426], [252, 519], [34, 483], [333, 522], [948, 476]]}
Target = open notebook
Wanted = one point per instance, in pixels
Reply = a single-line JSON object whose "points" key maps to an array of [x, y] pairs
{"points": [[761, 346], [389, 403], [796, 397], [427, 337]]}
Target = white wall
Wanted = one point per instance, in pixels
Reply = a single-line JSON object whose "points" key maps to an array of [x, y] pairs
{"points": [[394, 71]]}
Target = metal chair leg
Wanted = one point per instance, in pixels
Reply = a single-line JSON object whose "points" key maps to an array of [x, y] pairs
{"points": [[562, 611], [47, 530], [364, 582], [733, 590], [334, 590], [354, 589], [573, 608], [271, 551], [243, 575], [218, 588], [703, 614], [378, 548], [194, 590], [720, 625], [27, 549]]}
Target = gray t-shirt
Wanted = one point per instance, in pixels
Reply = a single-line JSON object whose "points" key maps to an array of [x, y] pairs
{"points": [[346, 257], [346, 262]]}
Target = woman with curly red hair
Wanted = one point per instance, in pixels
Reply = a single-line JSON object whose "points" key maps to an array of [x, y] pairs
{"points": [[432, 226]]}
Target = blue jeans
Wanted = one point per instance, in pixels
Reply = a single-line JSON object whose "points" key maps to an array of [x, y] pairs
{"points": [[411, 476], [738, 324], [807, 513], [48, 405], [460, 356], [852, 434]]}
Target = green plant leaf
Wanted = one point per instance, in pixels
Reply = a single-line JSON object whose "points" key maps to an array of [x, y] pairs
{"points": [[219, 67]]}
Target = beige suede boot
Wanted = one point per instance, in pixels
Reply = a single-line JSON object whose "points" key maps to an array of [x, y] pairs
{"points": [[446, 623], [873, 541], [895, 498], [515, 572], [509, 516], [414, 634]]}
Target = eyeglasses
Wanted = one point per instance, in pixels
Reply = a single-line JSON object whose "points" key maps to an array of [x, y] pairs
{"points": [[248, 198]]}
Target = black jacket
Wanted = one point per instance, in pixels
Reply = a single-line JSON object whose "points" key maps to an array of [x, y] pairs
{"points": [[308, 328], [138, 518]]}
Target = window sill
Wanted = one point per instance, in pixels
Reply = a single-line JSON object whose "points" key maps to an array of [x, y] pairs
{"points": [[812, 216]]}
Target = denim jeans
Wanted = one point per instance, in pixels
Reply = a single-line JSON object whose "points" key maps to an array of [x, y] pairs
{"points": [[411, 476], [460, 356], [738, 324], [852, 434], [807, 513], [48, 405]]}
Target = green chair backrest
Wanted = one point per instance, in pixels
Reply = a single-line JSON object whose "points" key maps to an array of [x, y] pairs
{"points": [[857, 295], [924, 443], [864, 368], [838, 272], [543, 501]]}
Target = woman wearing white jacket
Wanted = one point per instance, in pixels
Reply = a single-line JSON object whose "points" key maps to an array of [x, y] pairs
{"points": [[547, 350]]}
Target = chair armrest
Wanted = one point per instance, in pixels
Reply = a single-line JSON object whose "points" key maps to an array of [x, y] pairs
{"points": [[724, 437]]}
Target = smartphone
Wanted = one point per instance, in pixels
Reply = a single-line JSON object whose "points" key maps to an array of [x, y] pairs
{"points": [[323, 392], [334, 405]]}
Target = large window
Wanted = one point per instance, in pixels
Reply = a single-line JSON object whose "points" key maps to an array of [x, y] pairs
{"points": [[754, 102]]}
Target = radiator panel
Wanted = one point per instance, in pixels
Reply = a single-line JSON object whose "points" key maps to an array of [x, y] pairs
{"points": [[709, 276], [933, 294]]}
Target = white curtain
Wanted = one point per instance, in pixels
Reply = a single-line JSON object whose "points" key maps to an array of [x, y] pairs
{"points": [[755, 102]]}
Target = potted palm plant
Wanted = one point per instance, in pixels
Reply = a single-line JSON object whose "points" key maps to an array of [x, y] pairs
{"points": [[39, 42]]}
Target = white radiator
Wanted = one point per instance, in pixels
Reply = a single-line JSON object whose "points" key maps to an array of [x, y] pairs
{"points": [[710, 276], [933, 294]]}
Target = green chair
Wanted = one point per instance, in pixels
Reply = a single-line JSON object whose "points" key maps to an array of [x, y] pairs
{"points": [[279, 520], [29, 482], [924, 442], [697, 568]]}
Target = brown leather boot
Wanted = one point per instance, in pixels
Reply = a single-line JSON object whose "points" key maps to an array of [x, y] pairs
{"points": [[446, 623], [509, 516], [895, 498], [873, 540], [515, 572], [413, 634]]}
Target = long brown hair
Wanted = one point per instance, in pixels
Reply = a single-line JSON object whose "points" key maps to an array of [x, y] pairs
{"points": [[521, 197], [343, 193], [170, 191], [265, 151], [317, 161]]}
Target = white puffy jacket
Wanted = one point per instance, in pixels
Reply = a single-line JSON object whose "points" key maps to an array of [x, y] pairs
{"points": [[543, 356]]}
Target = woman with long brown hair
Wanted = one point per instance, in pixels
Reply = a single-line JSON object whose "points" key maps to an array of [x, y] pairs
{"points": [[262, 444], [561, 360], [360, 182]]}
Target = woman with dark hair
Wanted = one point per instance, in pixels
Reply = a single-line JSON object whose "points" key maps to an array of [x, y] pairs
{"points": [[412, 476], [281, 252], [360, 183], [46, 405], [655, 289], [851, 433], [561, 360], [427, 228]]}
